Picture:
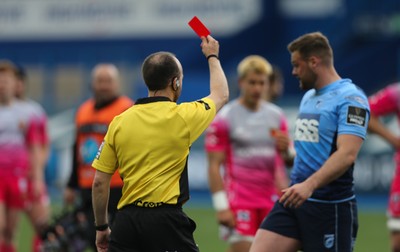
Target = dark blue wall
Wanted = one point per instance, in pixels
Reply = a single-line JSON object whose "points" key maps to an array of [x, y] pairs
{"points": [[365, 36]]}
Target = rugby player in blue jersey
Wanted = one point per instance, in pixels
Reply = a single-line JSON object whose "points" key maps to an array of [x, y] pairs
{"points": [[318, 211]]}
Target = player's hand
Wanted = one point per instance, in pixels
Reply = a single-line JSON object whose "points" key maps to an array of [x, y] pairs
{"points": [[209, 46], [102, 240], [69, 196], [295, 195], [226, 218], [282, 141]]}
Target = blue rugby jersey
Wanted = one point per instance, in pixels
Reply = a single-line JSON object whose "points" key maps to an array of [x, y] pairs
{"points": [[338, 108]]}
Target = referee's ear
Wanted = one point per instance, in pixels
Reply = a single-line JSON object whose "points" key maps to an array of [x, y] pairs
{"points": [[175, 84]]}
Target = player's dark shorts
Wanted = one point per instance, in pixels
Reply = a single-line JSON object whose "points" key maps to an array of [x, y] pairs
{"points": [[141, 229], [319, 226]]}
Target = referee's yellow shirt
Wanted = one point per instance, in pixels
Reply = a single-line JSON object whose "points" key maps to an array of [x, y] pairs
{"points": [[150, 144]]}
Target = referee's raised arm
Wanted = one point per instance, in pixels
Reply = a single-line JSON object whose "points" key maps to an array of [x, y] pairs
{"points": [[219, 91]]}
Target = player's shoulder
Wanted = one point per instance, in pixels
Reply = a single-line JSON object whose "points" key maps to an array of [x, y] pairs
{"points": [[394, 89], [36, 107], [229, 109], [30, 106], [18, 106], [350, 92], [22, 110], [203, 107], [349, 87], [206, 101], [123, 118], [271, 108]]}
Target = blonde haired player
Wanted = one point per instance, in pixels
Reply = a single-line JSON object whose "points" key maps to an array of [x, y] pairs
{"points": [[246, 138]]}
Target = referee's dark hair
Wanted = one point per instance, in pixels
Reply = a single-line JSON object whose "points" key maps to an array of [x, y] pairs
{"points": [[159, 69]]}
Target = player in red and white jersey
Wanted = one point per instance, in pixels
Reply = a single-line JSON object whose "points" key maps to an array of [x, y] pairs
{"points": [[387, 102], [19, 155], [37, 206], [247, 137]]}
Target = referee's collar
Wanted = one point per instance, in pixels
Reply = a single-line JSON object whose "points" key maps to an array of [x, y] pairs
{"points": [[152, 99]]}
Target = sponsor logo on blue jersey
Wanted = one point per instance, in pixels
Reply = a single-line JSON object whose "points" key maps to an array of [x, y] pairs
{"points": [[356, 116], [307, 128]]}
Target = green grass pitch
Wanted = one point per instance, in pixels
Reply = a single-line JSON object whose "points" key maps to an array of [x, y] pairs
{"points": [[372, 233]]}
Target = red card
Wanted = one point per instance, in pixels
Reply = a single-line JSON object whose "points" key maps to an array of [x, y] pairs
{"points": [[199, 27]]}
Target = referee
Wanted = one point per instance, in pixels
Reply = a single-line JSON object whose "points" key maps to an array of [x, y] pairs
{"points": [[150, 144]]}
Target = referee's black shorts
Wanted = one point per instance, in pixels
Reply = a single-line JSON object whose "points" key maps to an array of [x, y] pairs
{"points": [[161, 229]]}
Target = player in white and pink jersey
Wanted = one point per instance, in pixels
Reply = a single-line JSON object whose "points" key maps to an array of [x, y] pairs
{"points": [[387, 102], [37, 206], [19, 153], [273, 91], [247, 137]]}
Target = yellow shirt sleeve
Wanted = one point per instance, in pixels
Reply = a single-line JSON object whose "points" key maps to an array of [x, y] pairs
{"points": [[198, 115], [106, 158]]}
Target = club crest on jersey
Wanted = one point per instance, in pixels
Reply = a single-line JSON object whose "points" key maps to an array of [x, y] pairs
{"points": [[307, 128], [356, 116], [329, 240]]}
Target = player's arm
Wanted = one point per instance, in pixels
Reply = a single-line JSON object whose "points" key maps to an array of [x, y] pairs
{"points": [[44, 152], [35, 155], [105, 163], [215, 160], [45, 142], [382, 103], [36, 164], [220, 200], [284, 144], [337, 164], [285, 148], [280, 177], [376, 127], [219, 91], [100, 196]]}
